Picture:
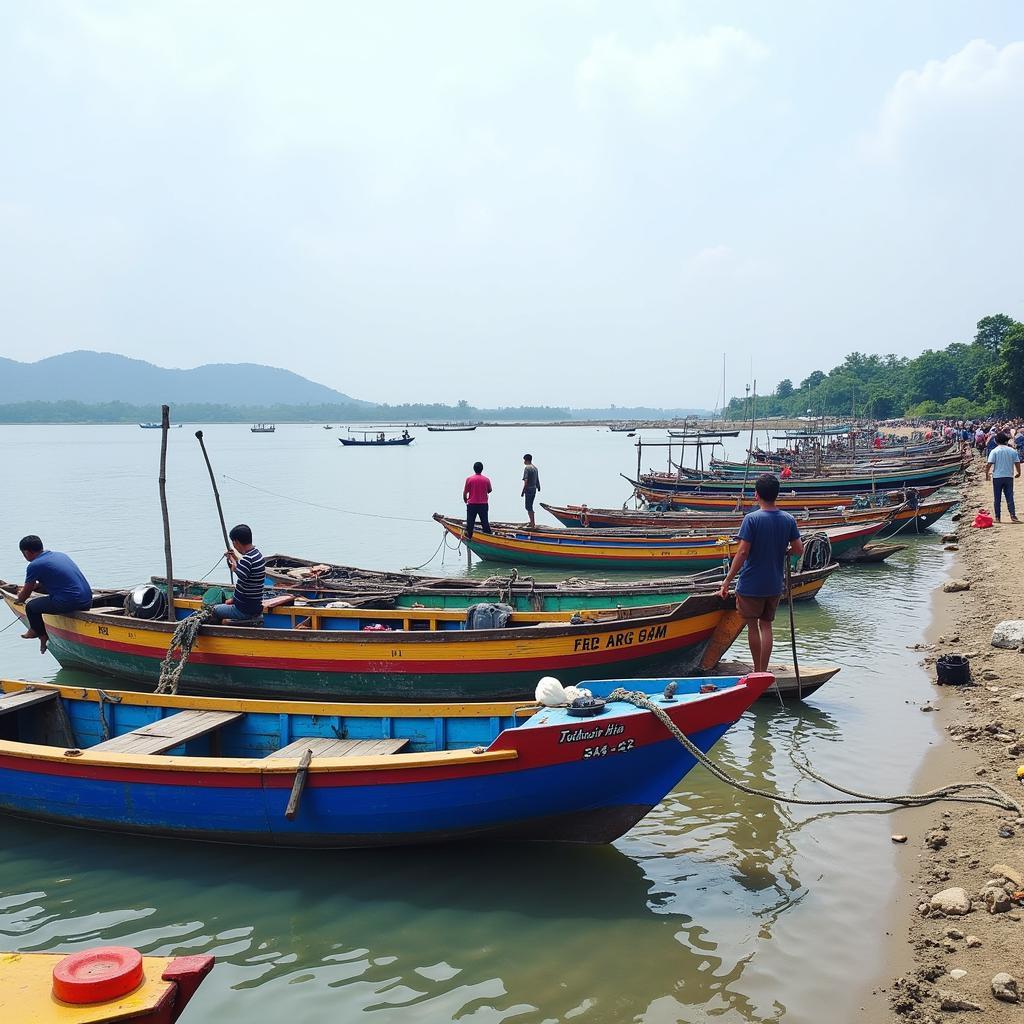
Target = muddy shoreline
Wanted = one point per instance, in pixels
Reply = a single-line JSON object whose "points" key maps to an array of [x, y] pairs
{"points": [[977, 849]]}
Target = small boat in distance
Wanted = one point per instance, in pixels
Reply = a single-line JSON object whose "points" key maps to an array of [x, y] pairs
{"points": [[445, 428], [327, 426], [376, 439], [262, 428], [155, 426]]}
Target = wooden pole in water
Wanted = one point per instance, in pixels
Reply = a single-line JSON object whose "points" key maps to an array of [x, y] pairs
{"points": [[792, 626], [165, 426], [216, 498]]}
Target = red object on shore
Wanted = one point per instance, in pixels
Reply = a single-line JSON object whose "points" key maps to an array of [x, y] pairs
{"points": [[97, 975], [983, 520]]}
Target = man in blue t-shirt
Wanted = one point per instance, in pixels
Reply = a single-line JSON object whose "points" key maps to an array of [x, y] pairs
{"points": [[767, 537], [66, 589]]}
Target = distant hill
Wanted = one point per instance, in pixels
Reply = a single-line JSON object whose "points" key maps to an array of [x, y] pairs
{"points": [[99, 377]]}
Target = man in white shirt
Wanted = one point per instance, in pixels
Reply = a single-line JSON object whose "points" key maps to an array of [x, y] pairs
{"points": [[1002, 467]]}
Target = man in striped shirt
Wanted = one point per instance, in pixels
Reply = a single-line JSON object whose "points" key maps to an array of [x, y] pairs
{"points": [[250, 569]]}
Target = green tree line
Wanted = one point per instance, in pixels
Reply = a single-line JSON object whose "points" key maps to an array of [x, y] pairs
{"points": [[983, 377]]}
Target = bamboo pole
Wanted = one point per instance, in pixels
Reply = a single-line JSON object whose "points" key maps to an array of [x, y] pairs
{"points": [[216, 498], [165, 426]]}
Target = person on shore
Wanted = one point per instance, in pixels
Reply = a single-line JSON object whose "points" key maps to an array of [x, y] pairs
{"points": [[767, 538], [67, 590], [531, 485], [1002, 466], [250, 569], [475, 494], [979, 438]]}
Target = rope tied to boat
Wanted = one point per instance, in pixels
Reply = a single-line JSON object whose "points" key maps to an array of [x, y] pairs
{"points": [[950, 793], [185, 635]]}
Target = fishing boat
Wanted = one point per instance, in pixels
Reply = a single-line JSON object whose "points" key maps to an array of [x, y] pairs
{"points": [[346, 775], [884, 479], [522, 592], [327, 426], [98, 985], [155, 426], [586, 549], [812, 677], [659, 500], [904, 518], [346, 653], [451, 428], [376, 439], [262, 428]]}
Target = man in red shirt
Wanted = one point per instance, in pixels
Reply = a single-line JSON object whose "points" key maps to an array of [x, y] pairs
{"points": [[474, 494]]}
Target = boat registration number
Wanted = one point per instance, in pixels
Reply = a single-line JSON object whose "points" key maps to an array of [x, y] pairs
{"points": [[609, 748], [627, 638]]}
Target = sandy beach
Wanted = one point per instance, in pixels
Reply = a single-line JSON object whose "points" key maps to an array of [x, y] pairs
{"points": [[947, 961]]}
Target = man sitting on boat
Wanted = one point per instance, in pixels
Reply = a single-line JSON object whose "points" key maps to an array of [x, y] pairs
{"points": [[250, 569], [67, 590], [767, 538]]}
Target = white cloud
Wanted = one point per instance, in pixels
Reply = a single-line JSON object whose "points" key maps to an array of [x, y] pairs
{"points": [[669, 75], [957, 99]]}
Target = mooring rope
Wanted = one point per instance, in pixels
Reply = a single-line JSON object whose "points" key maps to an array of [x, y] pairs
{"points": [[948, 793], [185, 635]]}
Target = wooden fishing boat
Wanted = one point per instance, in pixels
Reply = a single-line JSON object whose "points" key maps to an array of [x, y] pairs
{"points": [[885, 479], [155, 426], [392, 654], [905, 518], [452, 428], [345, 775], [262, 428], [790, 501], [377, 439], [585, 549], [522, 592], [99, 985], [812, 677]]}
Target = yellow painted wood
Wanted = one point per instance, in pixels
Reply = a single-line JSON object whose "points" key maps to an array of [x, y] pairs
{"points": [[26, 981]]}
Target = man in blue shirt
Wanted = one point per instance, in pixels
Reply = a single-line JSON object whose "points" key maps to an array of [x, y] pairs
{"points": [[767, 537], [67, 590], [1002, 466]]}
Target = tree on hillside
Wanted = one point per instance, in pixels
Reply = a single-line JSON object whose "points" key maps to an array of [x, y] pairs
{"points": [[785, 388], [992, 330]]}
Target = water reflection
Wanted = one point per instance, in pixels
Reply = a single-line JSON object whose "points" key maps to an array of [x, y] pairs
{"points": [[541, 932]]}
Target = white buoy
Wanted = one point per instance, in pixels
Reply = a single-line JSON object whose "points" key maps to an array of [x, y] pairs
{"points": [[550, 692]]}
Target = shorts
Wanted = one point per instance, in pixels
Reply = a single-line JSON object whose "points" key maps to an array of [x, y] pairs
{"points": [[758, 607], [529, 494]]}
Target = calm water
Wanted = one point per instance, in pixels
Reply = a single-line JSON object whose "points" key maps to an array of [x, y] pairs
{"points": [[716, 906]]}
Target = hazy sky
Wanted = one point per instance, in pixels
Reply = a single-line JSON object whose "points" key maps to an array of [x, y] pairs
{"points": [[569, 203]]}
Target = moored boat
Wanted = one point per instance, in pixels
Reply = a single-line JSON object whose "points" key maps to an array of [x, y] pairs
{"points": [[585, 549], [336, 775], [262, 428], [95, 986], [790, 501], [401, 654], [522, 592], [376, 439], [909, 517]]}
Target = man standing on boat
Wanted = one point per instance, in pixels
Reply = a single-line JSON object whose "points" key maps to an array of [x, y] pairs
{"points": [[531, 485], [767, 538], [67, 590], [250, 568], [475, 493]]}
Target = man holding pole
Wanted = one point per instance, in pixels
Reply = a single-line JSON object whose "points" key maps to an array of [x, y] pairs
{"points": [[767, 538], [250, 568]]}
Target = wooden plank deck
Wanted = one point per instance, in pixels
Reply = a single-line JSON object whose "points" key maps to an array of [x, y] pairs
{"points": [[169, 732], [322, 746], [24, 699]]}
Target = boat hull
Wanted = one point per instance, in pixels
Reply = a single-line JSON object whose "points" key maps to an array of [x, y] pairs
{"points": [[463, 665], [553, 777]]}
